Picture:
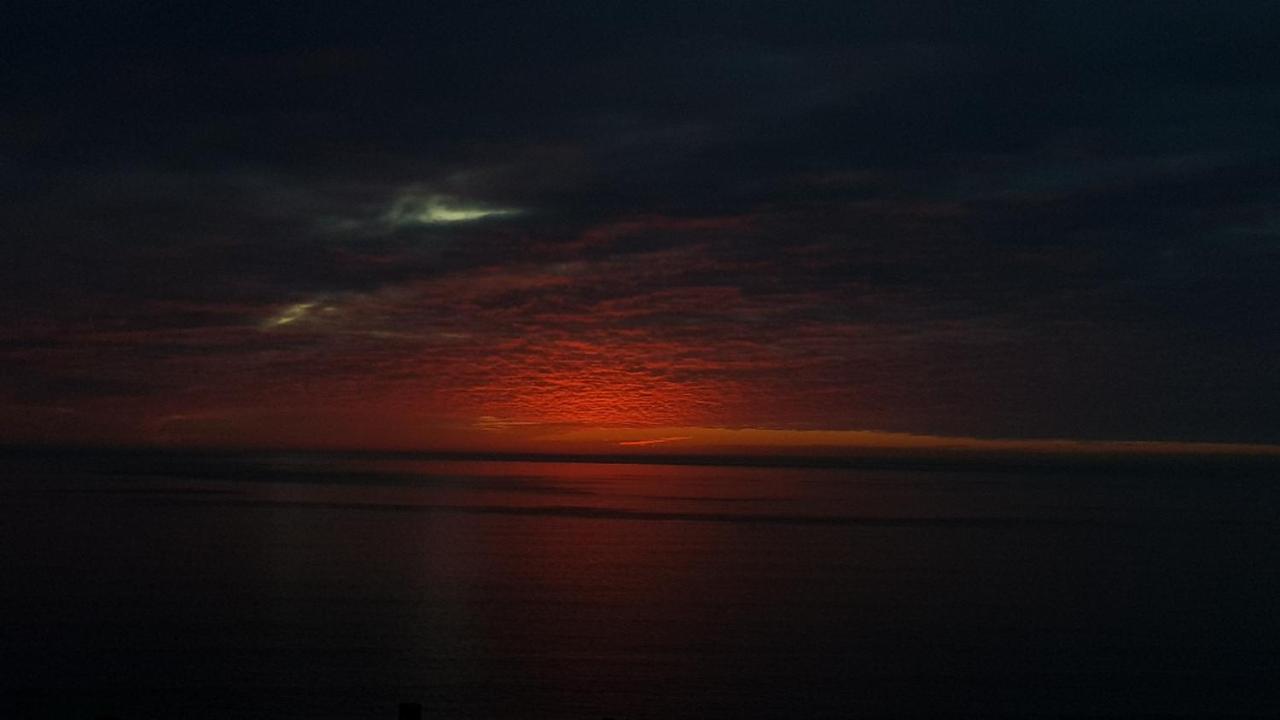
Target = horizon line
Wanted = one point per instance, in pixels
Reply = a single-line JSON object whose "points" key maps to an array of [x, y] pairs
{"points": [[1141, 453]]}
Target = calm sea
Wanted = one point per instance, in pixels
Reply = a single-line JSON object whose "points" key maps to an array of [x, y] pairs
{"points": [[303, 587]]}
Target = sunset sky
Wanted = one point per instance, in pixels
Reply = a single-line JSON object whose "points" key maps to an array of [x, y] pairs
{"points": [[641, 226]]}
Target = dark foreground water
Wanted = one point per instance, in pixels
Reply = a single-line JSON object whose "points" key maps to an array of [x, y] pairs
{"points": [[310, 588]]}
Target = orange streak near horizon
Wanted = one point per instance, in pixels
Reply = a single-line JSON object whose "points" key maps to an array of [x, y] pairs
{"points": [[775, 441], [655, 441]]}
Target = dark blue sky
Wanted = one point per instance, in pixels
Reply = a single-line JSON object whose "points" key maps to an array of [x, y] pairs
{"points": [[997, 219]]}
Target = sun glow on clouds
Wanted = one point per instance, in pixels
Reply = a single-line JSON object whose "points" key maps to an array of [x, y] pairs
{"points": [[638, 347], [594, 384]]}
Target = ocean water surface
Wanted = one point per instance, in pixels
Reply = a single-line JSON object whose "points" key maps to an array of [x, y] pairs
{"points": [[318, 587]]}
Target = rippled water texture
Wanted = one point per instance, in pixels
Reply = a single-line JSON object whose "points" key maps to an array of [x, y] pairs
{"points": [[301, 587]]}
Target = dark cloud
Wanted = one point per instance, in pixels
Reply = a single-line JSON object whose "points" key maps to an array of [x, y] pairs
{"points": [[1004, 219]]}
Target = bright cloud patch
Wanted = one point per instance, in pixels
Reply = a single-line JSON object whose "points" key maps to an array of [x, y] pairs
{"points": [[414, 209], [291, 314]]}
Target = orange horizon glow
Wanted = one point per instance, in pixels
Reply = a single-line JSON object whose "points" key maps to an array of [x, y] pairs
{"points": [[378, 430], [380, 427]]}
